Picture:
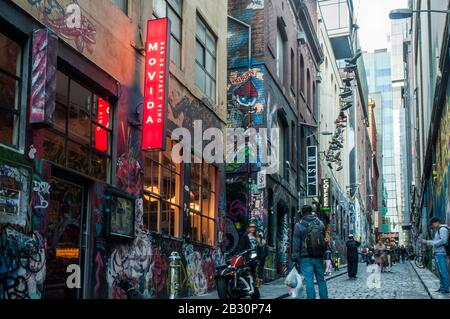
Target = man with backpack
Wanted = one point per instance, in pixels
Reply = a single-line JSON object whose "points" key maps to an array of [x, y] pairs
{"points": [[440, 252], [352, 257], [309, 247]]}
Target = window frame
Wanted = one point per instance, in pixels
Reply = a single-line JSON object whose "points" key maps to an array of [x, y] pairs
{"points": [[169, 6], [21, 89], [125, 9], [93, 123], [162, 198], [206, 50], [200, 213]]}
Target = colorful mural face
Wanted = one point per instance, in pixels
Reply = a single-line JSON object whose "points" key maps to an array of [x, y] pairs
{"points": [[246, 99], [442, 180]]}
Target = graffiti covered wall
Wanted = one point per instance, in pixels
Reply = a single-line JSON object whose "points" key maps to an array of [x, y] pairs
{"points": [[442, 168]]}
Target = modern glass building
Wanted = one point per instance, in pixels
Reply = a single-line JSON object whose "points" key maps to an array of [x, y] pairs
{"points": [[379, 77]]}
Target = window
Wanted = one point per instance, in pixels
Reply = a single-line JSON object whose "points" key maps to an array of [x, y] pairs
{"points": [[173, 10], [294, 144], [10, 84], [308, 88], [302, 75], [205, 58], [122, 5], [202, 204], [82, 135], [293, 72], [280, 55], [281, 146], [162, 184]]}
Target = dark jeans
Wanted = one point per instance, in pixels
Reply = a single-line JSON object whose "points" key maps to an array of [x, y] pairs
{"points": [[352, 266]]}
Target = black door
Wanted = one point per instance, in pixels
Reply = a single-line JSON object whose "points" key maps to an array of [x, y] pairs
{"points": [[66, 228]]}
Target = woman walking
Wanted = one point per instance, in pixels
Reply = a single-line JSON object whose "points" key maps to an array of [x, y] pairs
{"points": [[328, 261], [380, 250]]}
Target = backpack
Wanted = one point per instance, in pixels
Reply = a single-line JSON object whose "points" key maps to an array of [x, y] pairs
{"points": [[447, 246], [314, 240]]}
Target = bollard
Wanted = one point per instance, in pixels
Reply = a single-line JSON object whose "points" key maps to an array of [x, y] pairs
{"points": [[174, 266]]}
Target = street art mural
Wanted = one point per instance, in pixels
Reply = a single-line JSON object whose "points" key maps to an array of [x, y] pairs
{"points": [[56, 14], [22, 264], [442, 166], [246, 98], [15, 183]]}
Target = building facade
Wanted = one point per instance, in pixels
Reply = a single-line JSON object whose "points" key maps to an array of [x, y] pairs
{"points": [[79, 187], [427, 58], [379, 75], [273, 64]]}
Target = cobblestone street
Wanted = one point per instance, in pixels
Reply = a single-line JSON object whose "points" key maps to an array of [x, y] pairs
{"points": [[401, 283]]}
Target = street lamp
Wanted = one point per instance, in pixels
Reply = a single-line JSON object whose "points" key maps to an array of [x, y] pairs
{"points": [[398, 14]]}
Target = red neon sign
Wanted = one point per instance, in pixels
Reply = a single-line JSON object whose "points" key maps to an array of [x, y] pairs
{"points": [[101, 135], [155, 84]]}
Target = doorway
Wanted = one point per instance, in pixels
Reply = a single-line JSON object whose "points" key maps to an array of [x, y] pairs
{"points": [[66, 230]]}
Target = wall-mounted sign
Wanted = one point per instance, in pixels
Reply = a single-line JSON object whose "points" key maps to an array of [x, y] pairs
{"points": [[261, 180], [325, 204], [155, 84], [43, 77], [101, 134], [312, 187], [120, 214]]}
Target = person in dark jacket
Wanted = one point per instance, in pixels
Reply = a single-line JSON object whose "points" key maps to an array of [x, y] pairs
{"points": [[309, 266], [254, 241], [352, 257]]}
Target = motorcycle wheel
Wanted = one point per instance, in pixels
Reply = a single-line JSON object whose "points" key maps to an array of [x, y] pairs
{"points": [[222, 288], [256, 295]]}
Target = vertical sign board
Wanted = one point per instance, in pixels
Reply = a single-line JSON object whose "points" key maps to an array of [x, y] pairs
{"points": [[101, 134], [43, 77], [325, 205], [155, 85], [312, 189]]}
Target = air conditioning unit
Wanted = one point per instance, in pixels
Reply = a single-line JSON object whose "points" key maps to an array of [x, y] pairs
{"points": [[301, 37]]}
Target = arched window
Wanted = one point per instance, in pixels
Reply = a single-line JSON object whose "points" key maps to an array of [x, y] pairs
{"points": [[302, 75], [308, 88], [313, 102]]}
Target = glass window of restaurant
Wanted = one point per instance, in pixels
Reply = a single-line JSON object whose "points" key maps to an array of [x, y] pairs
{"points": [[162, 202], [81, 137], [202, 206], [10, 90]]}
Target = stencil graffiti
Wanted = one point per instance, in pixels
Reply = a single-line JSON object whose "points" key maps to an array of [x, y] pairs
{"points": [[42, 190]]}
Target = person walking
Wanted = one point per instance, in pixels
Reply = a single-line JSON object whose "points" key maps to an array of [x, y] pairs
{"points": [[352, 256], [380, 251], [308, 252], [388, 260], [403, 253], [328, 261], [439, 243]]}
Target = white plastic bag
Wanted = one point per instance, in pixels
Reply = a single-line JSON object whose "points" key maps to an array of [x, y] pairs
{"points": [[291, 279], [294, 282]]}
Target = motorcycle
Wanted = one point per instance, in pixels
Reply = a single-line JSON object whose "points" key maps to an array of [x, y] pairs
{"points": [[234, 280]]}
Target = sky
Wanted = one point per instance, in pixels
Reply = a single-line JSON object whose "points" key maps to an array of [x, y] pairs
{"points": [[373, 21]]}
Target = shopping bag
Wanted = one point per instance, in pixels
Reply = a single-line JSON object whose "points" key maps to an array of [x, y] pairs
{"points": [[291, 279], [297, 292]]}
